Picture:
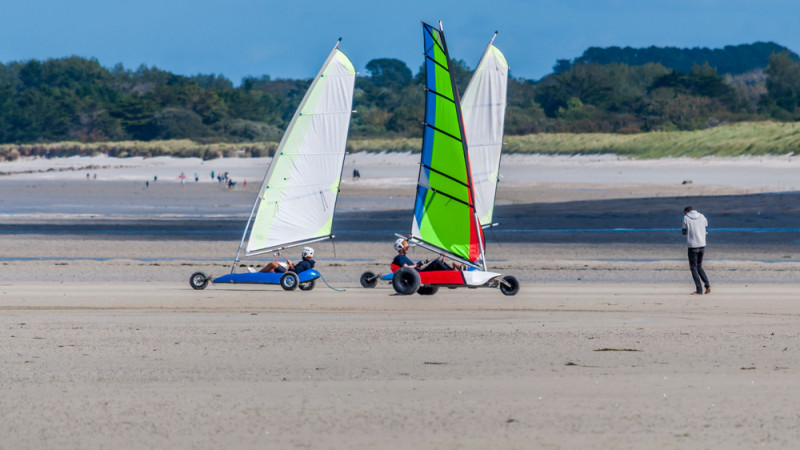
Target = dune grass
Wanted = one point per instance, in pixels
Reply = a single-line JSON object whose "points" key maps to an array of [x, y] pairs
{"points": [[739, 139]]}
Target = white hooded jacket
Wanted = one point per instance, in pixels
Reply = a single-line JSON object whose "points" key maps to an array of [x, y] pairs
{"points": [[696, 227]]}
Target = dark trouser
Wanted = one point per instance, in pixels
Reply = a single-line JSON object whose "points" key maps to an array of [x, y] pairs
{"points": [[696, 266], [436, 264]]}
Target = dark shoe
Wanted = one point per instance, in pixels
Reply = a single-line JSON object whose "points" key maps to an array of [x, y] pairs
{"points": [[697, 293], [708, 290]]}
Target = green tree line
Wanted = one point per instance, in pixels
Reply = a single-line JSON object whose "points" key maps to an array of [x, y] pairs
{"points": [[76, 99]]}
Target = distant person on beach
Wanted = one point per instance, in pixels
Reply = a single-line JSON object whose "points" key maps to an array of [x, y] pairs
{"points": [[695, 228], [307, 263], [401, 260], [356, 174]]}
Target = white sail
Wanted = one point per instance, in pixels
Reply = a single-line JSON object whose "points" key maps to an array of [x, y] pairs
{"points": [[296, 201], [484, 110]]}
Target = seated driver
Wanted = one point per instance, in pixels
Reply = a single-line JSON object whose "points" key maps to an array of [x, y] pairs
{"points": [[401, 260], [275, 266]]}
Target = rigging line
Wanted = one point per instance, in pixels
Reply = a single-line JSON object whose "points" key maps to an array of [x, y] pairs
{"points": [[324, 203], [445, 175], [440, 95], [334, 153], [276, 186], [442, 131], [325, 113], [326, 284]]}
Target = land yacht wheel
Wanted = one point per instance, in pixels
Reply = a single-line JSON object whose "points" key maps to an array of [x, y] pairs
{"points": [[289, 281], [509, 285], [406, 281], [369, 279], [198, 280]]}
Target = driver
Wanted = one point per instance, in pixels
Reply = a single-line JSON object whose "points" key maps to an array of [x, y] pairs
{"points": [[307, 262], [401, 260]]}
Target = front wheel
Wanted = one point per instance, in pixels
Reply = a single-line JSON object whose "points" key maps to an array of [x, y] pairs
{"points": [[509, 285], [307, 286], [289, 281], [198, 280], [406, 281], [368, 279]]}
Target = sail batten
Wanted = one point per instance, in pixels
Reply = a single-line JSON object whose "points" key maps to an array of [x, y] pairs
{"points": [[296, 199]]}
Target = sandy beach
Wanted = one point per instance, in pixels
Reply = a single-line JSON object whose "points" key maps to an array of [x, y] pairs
{"points": [[105, 345]]}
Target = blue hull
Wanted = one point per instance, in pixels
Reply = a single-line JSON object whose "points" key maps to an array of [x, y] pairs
{"points": [[264, 278]]}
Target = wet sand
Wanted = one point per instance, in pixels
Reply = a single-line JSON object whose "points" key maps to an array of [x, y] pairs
{"points": [[105, 345]]}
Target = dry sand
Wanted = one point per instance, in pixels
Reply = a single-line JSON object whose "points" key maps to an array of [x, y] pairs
{"points": [[104, 345]]}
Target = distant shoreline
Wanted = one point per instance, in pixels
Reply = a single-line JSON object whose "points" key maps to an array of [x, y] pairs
{"points": [[731, 140]]}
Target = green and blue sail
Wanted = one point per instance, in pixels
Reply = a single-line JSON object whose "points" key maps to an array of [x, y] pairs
{"points": [[444, 211]]}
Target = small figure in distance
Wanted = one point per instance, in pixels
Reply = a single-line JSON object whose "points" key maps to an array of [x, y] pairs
{"points": [[401, 260], [307, 262], [695, 228]]}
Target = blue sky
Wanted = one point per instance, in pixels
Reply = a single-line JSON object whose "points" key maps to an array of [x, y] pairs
{"points": [[290, 39]]}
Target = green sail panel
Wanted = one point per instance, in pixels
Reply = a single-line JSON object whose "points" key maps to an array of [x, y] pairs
{"points": [[298, 195], [444, 212]]}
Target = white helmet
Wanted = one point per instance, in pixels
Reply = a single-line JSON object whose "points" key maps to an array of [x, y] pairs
{"points": [[400, 244], [308, 251]]}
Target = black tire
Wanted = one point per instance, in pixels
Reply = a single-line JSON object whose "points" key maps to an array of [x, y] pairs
{"points": [[369, 279], [513, 285], [308, 285], [289, 281], [428, 290], [406, 281], [198, 280]]}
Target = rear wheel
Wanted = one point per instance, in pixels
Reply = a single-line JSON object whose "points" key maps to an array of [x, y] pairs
{"points": [[307, 286], [428, 290], [509, 285], [289, 281], [198, 280], [369, 279], [405, 281]]}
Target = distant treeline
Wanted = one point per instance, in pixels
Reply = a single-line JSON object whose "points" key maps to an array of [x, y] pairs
{"points": [[76, 99], [732, 59]]}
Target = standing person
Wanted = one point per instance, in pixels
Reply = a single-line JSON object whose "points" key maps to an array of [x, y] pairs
{"points": [[695, 228]]}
